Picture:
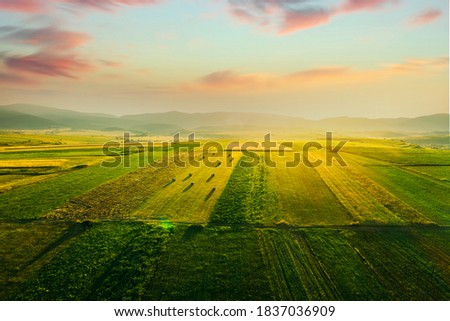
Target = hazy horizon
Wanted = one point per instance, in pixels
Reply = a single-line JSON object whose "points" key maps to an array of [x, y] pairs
{"points": [[224, 111], [333, 58]]}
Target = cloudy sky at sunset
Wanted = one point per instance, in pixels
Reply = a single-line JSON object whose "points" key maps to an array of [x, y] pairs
{"points": [[310, 58]]}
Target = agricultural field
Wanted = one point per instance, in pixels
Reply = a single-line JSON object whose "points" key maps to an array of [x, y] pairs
{"points": [[304, 198], [28, 245], [105, 262], [37, 199], [440, 173], [72, 229], [399, 153], [418, 186], [247, 198], [190, 194]]}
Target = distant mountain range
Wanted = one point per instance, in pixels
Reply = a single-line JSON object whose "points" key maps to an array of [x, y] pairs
{"points": [[24, 116]]}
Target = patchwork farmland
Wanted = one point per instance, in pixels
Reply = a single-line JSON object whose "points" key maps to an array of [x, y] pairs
{"points": [[376, 229]]}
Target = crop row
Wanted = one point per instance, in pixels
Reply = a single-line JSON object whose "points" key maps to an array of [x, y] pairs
{"points": [[295, 274], [108, 261], [117, 198], [304, 198], [365, 200], [356, 264], [139, 261], [248, 197], [188, 197], [424, 194], [41, 197]]}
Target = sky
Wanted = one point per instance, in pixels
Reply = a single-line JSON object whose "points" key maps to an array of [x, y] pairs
{"points": [[307, 58]]}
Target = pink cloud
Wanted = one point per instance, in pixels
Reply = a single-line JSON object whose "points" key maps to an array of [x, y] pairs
{"points": [[54, 56], [49, 37], [360, 5], [228, 79], [426, 17], [34, 6], [288, 16], [109, 5], [55, 49], [299, 20], [29, 6], [48, 64]]}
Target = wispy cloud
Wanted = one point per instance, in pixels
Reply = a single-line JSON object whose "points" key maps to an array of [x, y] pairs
{"points": [[360, 5], [288, 16], [54, 54], [51, 38], [420, 65], [28, 6], [229, 80], [54, 51], [108, 5], [296, 20], [320, 72], [426, 17], [34, 6], [48, 64]]}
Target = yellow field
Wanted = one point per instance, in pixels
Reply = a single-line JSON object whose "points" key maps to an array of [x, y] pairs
{"points": [[179, 201]]}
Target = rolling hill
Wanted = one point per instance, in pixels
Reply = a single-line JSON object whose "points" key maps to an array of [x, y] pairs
{"points": [[26, 116]]}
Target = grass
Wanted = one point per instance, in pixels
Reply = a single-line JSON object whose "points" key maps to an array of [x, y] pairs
{"points": [[21, 172], [248, 197], [420, 187], [10, 182], [47, 138], [179, 201], [29, 245], [211, 264], [376, 229], [41, 197], [421, 193], [295, 274], [403, 155], [70, 152], [304, 198], [439, 173], [118, 198], [106, 261], [366, 199], [352, 276], [402, 267]]}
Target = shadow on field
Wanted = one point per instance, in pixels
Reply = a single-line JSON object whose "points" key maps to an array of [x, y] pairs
{"points": [[192, 231], [210, 194], [188, 187], [73, 231], [169, 183]]}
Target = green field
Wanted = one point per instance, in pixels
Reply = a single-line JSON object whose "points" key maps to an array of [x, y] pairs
{"points": [[247, 198], [376, 229]]}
